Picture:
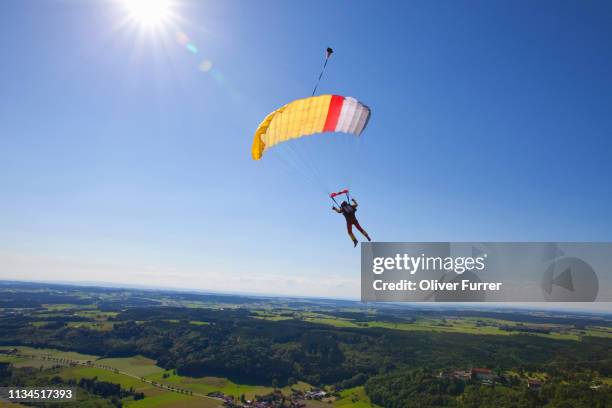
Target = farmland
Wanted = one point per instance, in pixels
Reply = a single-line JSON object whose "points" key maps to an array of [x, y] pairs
{"points": [[171, 349]]}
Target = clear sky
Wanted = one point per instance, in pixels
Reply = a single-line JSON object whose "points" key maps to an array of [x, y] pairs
{"points": [[125, 153]]}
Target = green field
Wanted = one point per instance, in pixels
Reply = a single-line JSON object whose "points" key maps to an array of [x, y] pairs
{"points": [[154, 396], [268, 315], [467, 325], [487, 326], [10, 405], [65, 306], [599, 332], [332, 321], [98, 325], [15, 360], [316, 404], [272, 317], [206, 385], [70, 355], [174, 400], [36, 358], [353, 398], [140, 366], [199, 323], [137, 365], [109, 376], [96, 314]]}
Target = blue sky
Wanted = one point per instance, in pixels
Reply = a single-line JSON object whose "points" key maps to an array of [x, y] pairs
{"points": [[121, 161]]}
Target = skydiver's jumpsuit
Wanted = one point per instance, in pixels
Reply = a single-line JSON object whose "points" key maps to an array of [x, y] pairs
{"points": [[349, 214]]}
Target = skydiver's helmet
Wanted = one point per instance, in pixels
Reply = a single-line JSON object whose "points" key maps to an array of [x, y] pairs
{"points": [[344, 203]]}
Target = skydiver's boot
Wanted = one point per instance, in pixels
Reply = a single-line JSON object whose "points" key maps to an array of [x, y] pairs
{"points": [[355, 242], [368, 237]]}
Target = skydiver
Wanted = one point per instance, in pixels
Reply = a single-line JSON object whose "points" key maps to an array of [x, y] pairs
{"points": [[348, 210]]}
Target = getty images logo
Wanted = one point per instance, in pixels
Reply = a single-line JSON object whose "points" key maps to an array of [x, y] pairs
{"points": [[414, 264]]}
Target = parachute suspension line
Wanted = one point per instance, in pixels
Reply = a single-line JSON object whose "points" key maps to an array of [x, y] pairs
{"points": [[289, 155], [349, 154], [328, 54], [309, 158], [349, 149], [354, 149], [304, 157], [334, 195], [300, 163]]}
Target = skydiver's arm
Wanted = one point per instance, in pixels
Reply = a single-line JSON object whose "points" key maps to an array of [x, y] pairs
{"points": [[354, 203], [337, 210]]}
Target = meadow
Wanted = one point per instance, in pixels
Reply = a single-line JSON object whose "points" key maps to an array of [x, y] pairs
{"points": [[124, 371], [197, 344]]}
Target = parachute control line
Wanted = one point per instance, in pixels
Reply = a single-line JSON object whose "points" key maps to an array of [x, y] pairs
{"points": [[334, 195]]}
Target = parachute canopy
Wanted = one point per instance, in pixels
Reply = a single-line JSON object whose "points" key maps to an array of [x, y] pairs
{"points": [[303, 117]]}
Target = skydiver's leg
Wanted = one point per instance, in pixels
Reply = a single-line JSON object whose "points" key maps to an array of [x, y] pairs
{"points": [[365, 234], [349, 229]]}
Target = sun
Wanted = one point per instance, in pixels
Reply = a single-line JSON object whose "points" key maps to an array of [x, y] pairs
{"points": [[149, 12]]}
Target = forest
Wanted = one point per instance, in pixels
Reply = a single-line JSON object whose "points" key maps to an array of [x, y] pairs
{"points": [[396, 367]]}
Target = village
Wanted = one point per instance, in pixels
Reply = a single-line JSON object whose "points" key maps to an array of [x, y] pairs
{"points": [[486, 376], [299, 399], [275, 399]]}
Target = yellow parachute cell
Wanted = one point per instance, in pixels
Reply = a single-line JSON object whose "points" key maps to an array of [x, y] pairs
{"points": [[317, 114]]}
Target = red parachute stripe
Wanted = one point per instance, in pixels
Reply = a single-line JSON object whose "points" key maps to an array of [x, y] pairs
{"points": [[335, 107]]}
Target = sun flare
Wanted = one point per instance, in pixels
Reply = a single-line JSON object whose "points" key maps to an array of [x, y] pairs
{"points": [[149, 12]]}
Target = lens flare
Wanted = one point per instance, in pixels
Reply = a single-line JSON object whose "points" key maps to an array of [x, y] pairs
{"points": [[205, 65], [182, 38], [149, 12]]}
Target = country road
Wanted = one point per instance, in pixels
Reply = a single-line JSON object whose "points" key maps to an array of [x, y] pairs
{"points": [[67, 361]]}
